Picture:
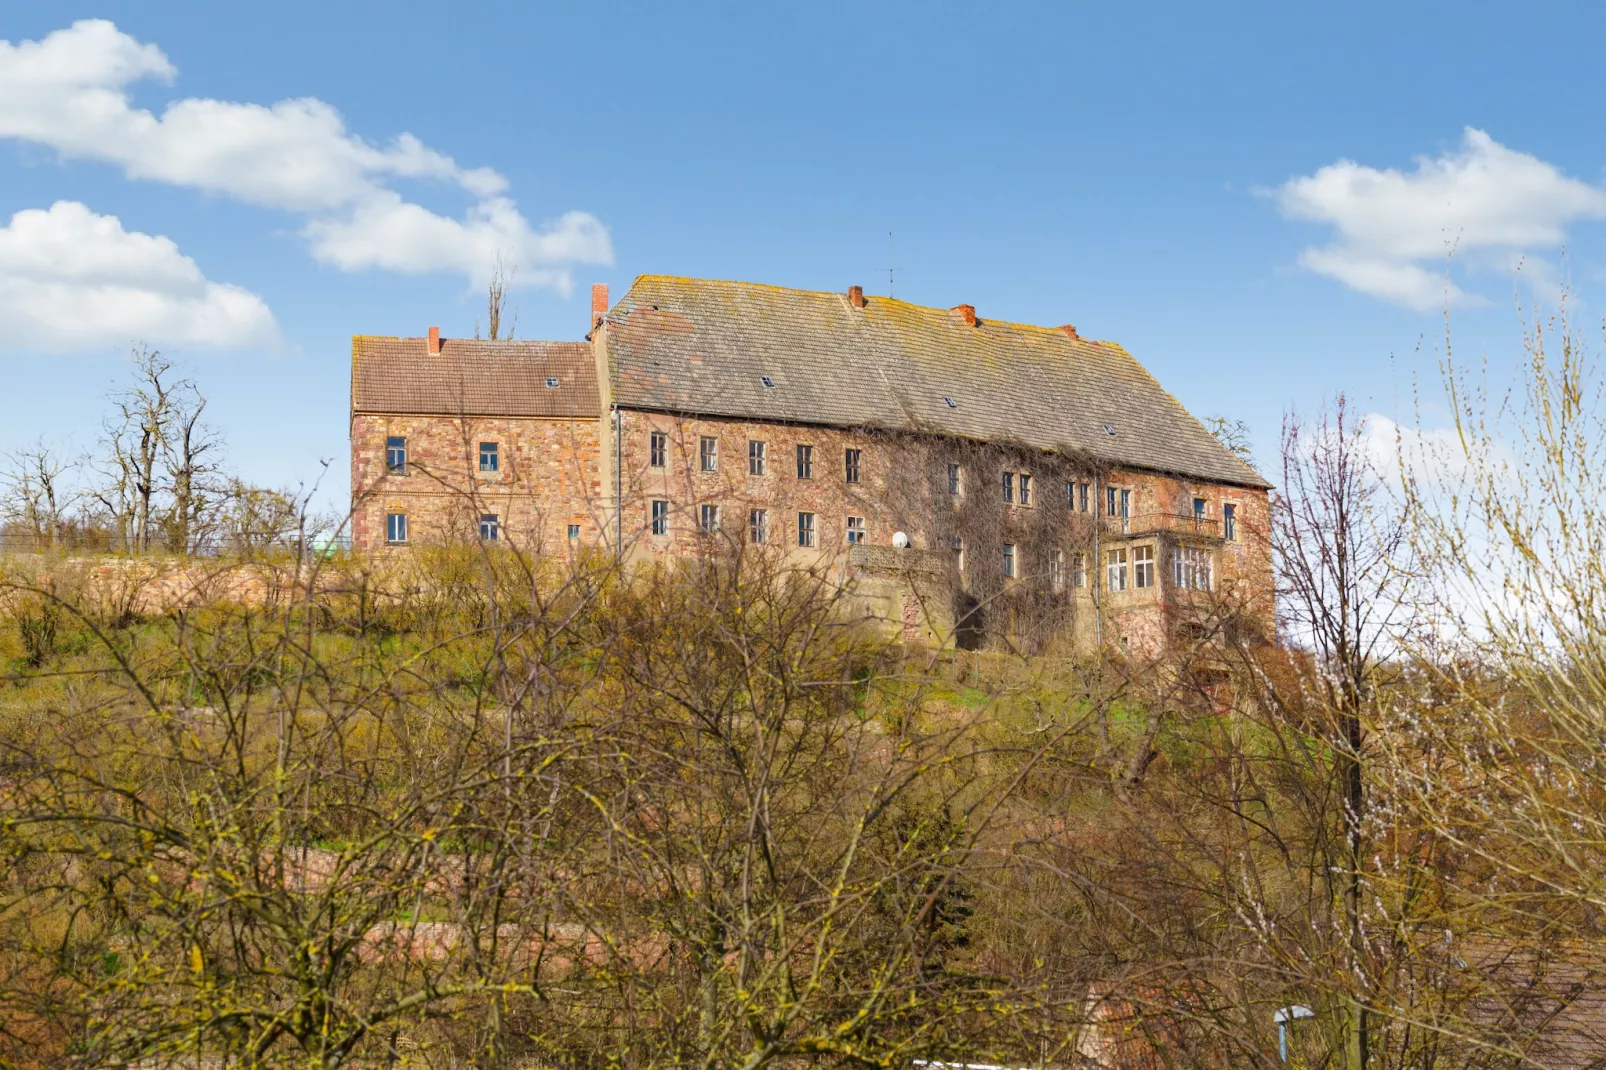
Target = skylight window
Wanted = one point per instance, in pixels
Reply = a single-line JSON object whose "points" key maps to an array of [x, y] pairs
{"points": [[769, 384], [551, 382], [1109, 429], [950, 402]]}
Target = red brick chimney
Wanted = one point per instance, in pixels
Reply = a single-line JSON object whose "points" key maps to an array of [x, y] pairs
{"points": [[599, 302], [1070, 331], [856, 296], [434, 341], [966, 313]]}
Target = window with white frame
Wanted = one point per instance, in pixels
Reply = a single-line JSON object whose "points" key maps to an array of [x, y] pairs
{"points": [[855, 530], [1009, 486], [490, 527], [1056, 569], [1142, 566], [490, 457], [1115, 570], [395, 527], [1083, 490], [658, 449], [805, 462], [758, 526], [756, 460], [1192, 566], [1200, 509], [954, 473], [1025, 489], [850, 465], [708, 453], [805, 529], [708, 518], [1229, 522], [396, 455], [660, 517], [1078, 570], [1009, 560]]}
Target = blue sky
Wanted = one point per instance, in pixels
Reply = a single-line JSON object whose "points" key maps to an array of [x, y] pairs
{"points": [[1256, 204]]}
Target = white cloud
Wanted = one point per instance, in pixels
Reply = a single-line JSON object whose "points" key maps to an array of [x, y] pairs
{"points": [[69, 91], [1395, 229], [72, 279]]}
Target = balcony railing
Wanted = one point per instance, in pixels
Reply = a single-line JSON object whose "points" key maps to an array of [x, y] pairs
{"points": [[1174, 523]]}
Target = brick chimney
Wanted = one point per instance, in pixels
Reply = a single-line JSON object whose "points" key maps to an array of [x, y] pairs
{"points": [[1070, 331], [856, 296], [599, 302], [966, 313], [434, 341]]}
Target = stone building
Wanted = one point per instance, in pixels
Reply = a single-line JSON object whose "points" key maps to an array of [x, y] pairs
{"points": [[1040, 484]]}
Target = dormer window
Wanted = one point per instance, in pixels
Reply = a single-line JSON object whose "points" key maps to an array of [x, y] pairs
{"points": [[769, 384], [552, 382]]}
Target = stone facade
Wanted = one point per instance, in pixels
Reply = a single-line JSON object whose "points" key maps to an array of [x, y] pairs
{"points": [[546, 483]]}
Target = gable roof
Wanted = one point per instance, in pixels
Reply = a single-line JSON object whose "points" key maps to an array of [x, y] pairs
{"points": [[473, 378], [700, 346]]}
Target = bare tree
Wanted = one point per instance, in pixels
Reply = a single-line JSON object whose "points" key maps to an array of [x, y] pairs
{"points": [[155, 447], [189, 456], [1339, 539], [1233, 434], [38, 494], [496, 299]]}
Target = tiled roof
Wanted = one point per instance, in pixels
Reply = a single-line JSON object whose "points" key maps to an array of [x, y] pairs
{"points": [[698, 346], [473, 378]]}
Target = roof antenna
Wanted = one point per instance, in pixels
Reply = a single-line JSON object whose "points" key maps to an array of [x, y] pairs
{"points": [[889, 263]]}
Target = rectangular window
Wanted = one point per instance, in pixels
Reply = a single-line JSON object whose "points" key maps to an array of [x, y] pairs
{"points": [[1143, 566], [1009, 559], [395, 527], [660, 517], [1192, 566], [708, 453], [1082, 490], [758, 525], [1229, 523], [396, 455], [953, 480], [1078, 570], [959, 553], [1009, 486], [1115, 560], [805, 462], [658, 449], [1199, 508], [1056, 569], [1025, 489], [574, 531], [805, 529], [855, 530], [1109, 501], [755, 457], [490, 457], [1070, 495], [489, 528], [1126, 504], [708, 518], [850, 465]]}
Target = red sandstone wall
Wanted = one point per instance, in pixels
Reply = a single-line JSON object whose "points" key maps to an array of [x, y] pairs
{"points": [[549, 478]]}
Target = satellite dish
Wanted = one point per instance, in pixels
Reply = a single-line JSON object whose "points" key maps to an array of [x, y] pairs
{"points": [[900, 540]]}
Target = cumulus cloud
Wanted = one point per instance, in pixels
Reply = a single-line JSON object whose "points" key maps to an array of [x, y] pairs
{"points": [[72, 279], [1394, 229], [70, 92]]}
